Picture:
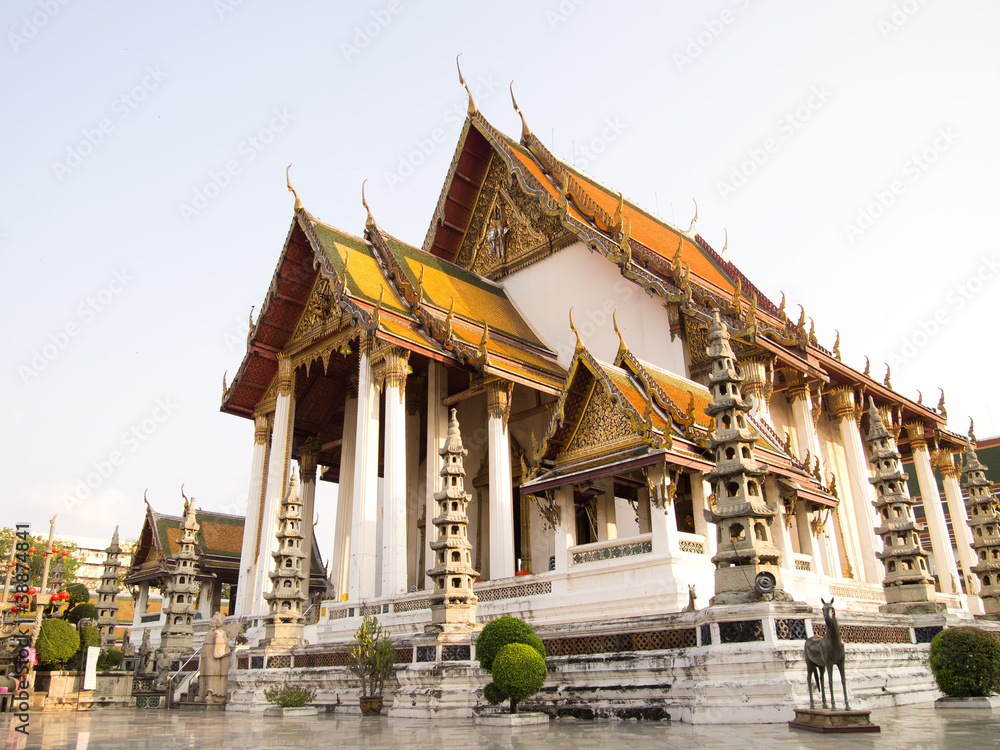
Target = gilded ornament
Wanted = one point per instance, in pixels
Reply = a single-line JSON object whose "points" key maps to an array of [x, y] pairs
{"points": [[694, 219], [888, 374], [940, 406], [836, 347], [461, 80], [288, 183], [868, 367], [370, 220], [525, 131]]}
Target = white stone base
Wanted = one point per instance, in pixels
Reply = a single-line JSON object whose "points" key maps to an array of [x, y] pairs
{"points": [[512, 720], [290, 712], [991, 702]]}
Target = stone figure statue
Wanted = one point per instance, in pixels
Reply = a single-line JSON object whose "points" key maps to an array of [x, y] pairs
{"points": [[145, 654], [692, 596], [214, 663], [822, 653]]}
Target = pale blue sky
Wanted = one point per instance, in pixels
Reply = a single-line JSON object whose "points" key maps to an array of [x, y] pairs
{"points": [[785, 120]]}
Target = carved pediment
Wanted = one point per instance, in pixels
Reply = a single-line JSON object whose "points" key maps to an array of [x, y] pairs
{"points": [[508, 230], [603, 428], [321, 314]]}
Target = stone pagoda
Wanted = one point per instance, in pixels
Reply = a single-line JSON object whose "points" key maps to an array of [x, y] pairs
{"points": [[107, 594], [453, 603], [909, 588], [747, 563], [179, 599], [985, 523], [284, 623]]}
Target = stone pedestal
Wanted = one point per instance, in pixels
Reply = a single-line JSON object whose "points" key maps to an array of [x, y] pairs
{"points": [[512, 720], [826, 721]]}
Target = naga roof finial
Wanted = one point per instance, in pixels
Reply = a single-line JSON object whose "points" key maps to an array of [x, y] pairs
{"points": [[725, 245], [621, 339], [288, 182], [940, 406], [694, 219], [972, 430], [579, 341], [225, 386], [868, 367], [370, 221], [836, 347], [461, 80], [781, 308], [525, 131], [888, 374]]}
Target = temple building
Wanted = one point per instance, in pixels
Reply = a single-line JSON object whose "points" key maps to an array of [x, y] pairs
{"points": [[638, 416]]}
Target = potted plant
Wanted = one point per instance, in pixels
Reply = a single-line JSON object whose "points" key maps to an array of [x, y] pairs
{"points": [[514, 655], [371, 658]]}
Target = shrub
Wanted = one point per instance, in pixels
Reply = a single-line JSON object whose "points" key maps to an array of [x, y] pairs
{"points": [[501, 631], [110, 658], [80, 611], [58, 641], [77, 593], [965, 662], [518, 672], [289, 696], [521, 671]]}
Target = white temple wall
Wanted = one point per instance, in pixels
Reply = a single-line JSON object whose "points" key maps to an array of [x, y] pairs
{"points": [[781, 417], [593, 286]]}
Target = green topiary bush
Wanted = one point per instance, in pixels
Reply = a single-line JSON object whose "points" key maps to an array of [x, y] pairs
{"points": [[110, 659], [77, 593], [289, 696], [90, 636], [518, 672], [966, 662], [521, 671], [80, 611], [501, 631], [58, 641]]}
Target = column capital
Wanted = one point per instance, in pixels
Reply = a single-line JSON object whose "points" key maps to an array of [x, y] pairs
{"points": [[262, 428], [394, 368], [798, 384], [917, 434], [499, 398], [843, 402], [308, 453], [286, 374], [758, 376], [944, 462]]}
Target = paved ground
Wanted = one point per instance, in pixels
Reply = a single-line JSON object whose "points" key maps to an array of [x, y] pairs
{"points": [[909, 728]]}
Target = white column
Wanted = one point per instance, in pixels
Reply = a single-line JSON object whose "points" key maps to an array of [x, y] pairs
{"points": [[831, 546], [808, 444], [277, 481], [607, 522], [340, 562], [662, 519], [307, 494], [960, 525], [779, 531], [361, 578], [437, 430], [501, 491], [700, 492], [414, 492], [807, 542], [944, 560], [858, 490], [394, 469], [565, 533], [206, 593], [141, 605], [258, 478]]}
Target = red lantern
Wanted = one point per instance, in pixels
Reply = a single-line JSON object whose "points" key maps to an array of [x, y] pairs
{"points": [[31, 550], [15, 610], [31, 591], [44, 554], [65, 553]]}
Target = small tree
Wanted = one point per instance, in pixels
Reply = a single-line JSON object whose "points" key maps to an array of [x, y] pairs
{"points": [[77, 593], [110, 659], [58, 641], [80, 611], [965, 662], [371, 657], [510, 650]]}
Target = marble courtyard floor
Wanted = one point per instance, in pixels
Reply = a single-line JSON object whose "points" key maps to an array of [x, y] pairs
{"points": [[908, 728]]}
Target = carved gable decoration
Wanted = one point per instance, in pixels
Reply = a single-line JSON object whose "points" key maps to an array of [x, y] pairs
{"points": [[603, 429], [508, 230], [321, 312]]}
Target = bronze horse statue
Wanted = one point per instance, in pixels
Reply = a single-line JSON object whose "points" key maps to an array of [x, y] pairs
{"points": [[822, 653]]}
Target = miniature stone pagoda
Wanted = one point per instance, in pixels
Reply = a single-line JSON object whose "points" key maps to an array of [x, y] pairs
{"points": [[909, 588], [747, 563], [453, 602], [179, 598], [107, 594], [985, 523], [283, 625]]}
